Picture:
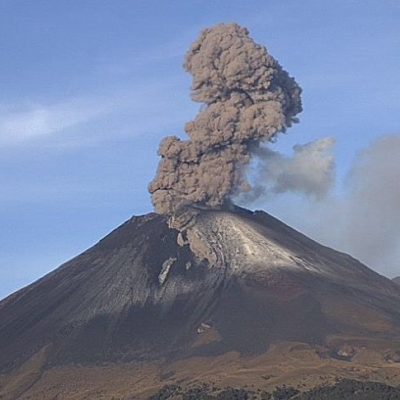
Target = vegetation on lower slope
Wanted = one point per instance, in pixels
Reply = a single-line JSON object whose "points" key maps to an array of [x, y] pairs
{"points": [[342, 390], [353, 390]]}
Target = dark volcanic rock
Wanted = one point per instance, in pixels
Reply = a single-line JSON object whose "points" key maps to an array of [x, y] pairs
{"points": [[397, 280], [138, 295]]}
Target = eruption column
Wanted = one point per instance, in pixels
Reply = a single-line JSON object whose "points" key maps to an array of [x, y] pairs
{"points": [[248, 98]]}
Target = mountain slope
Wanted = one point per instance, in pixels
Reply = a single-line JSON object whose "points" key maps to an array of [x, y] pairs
{"points": [[138, 296]]}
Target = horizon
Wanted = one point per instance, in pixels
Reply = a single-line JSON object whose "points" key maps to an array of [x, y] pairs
{"points": [[80, 126]]}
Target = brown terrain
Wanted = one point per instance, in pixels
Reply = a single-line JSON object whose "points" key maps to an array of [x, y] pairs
{"points": [[259, 305]]}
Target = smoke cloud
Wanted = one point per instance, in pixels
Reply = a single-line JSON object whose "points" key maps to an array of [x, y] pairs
{"points": [[370, 212], [363, 219], [310, 171], [248, 98]]}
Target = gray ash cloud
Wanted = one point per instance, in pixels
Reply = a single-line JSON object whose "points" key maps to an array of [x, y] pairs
{"points": [[310, 171]]}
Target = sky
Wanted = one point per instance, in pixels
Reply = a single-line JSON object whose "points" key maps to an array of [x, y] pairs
{"points": [[89, 87]]}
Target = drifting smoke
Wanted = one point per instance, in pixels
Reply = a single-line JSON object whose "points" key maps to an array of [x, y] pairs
{"points": [[248, 98], [310, 171], [370, 217], [363, 218]]}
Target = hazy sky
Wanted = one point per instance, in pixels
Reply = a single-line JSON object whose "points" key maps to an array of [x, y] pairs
{"points": [[88, 88]]}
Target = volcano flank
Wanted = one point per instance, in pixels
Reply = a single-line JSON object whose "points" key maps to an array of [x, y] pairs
{"points": [[138, 299]]}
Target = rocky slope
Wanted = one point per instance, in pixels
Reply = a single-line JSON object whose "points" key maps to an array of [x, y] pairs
{"points": [[238, 283]]}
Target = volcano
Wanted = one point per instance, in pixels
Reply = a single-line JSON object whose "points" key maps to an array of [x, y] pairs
{"points": [[240, 295]]}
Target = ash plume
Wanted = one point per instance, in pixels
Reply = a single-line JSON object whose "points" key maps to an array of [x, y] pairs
{"points": [[366, 217], [248, 98], [310, 171], [362, 218]]}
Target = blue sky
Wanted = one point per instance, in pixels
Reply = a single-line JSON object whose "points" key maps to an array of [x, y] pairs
{"points": [[89, 87]]}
